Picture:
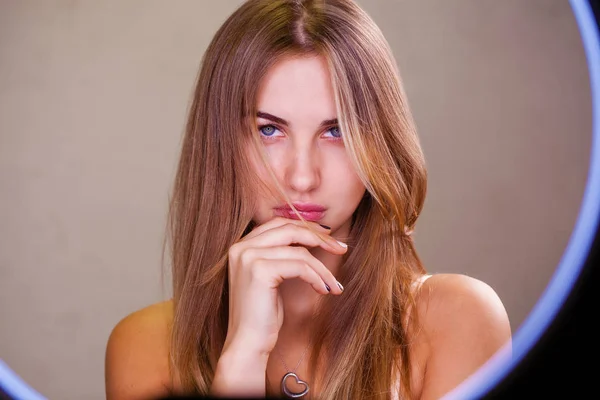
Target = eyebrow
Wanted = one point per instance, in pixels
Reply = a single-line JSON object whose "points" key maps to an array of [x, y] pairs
{"points": [[282, 121]]}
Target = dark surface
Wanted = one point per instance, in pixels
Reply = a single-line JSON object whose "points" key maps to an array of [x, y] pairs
{"points": [[563, 364], [220, 398]]}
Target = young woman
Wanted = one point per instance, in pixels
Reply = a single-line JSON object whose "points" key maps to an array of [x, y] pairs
{"points": [[300, 179]]}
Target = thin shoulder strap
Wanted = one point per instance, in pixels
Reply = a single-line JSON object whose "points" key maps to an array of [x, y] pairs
{"points": [[419, 282]]}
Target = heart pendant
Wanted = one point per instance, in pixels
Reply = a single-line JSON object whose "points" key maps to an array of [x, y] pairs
{"points": [[289, 393]]}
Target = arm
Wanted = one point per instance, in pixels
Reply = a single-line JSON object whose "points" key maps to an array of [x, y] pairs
{"points": [[137, 360], [465, 323], [240, 372]]}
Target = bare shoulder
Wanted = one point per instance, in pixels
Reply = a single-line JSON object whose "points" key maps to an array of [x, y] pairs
{"points": [[137, 354], [449, 298], [464, 323]]}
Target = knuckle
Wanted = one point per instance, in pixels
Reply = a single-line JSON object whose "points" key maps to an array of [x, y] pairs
{"points": [[290, 225], [258, 270], [308, 269], [233, 251], [300, 251], [246, 256]]}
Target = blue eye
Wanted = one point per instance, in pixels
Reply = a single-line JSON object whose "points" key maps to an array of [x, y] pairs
{"points": [[335, 131], [267, 130]]}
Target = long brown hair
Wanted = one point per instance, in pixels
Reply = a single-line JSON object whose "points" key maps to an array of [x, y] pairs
{"points": [[362, 337]]}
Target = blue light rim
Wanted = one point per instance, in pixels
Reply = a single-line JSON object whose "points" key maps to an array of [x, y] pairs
{"points": [[562, 282], [14, 386], [578, 248]]}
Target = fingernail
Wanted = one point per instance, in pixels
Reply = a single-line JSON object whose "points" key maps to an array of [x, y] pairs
{"points": [[327, 287], [325, 226], [342, 244], [340, 286]]}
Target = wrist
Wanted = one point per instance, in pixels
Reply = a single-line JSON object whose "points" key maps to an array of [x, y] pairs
{"points": [[240, 372], [250, 344], [243, 360]]}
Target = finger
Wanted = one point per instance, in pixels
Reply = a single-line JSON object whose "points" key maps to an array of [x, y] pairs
{"points": [[286, 253], [280, 221], [292, 233], [274, 272]]}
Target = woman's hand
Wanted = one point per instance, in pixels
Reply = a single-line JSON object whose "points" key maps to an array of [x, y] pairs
{"points": [[259, 263]]}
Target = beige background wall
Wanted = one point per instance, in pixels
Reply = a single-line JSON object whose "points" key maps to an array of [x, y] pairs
{"points": [[93, 96]]}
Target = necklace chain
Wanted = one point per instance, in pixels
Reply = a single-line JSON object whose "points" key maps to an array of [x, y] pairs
{"points": [[297, 365]]}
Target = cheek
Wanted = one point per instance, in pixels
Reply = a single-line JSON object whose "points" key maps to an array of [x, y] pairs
{"points": [[344, 178], [351, 175], [356, 190], [266, 193], [257, 166]]}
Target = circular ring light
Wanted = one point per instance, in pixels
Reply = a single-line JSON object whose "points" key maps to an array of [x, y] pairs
{"points": [[577, 250], [14, 387], [554, 296]]}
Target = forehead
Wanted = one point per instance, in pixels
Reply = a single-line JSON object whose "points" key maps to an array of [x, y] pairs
{"points": [[297, 88]]}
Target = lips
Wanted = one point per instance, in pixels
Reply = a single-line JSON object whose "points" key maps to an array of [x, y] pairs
{"points": [[309, 211]]}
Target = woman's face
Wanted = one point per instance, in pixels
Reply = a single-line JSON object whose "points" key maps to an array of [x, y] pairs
{"points": [[298, 127]]}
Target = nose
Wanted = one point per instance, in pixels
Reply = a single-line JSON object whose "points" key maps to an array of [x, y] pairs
{"points": [[302, 172]]}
